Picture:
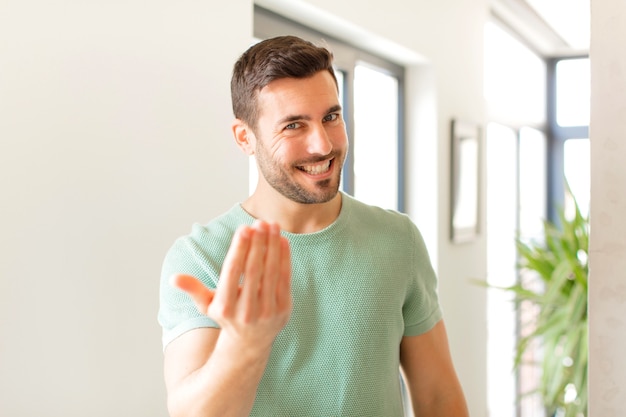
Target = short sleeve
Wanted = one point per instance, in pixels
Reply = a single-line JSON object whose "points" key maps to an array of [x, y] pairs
{"points": [[177, 312], [421, 309]]}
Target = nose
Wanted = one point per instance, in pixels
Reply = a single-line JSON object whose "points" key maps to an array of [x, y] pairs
{"points": [[318, 140]]}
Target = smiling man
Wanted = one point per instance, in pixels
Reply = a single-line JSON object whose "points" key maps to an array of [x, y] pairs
{"points": [[299, 142], [301, 300]]}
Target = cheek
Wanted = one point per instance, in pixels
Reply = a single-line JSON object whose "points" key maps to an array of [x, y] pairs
{"points": [[339, 136], [279, 154]]}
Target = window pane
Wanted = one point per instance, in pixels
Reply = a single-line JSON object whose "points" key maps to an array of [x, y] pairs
{"points": [[501, 271], [577, 173], [572, 92], [532, 213], [340, 80], [533, 182], [375, 137]]}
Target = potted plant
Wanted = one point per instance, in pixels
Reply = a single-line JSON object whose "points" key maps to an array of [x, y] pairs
{"points": [[558, 290]]}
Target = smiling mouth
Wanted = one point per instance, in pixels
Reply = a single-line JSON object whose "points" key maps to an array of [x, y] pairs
{"points": [[316, 169]]}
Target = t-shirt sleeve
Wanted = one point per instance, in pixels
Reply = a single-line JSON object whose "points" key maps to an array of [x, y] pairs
{"points": [[177, 312], [421, 308]]}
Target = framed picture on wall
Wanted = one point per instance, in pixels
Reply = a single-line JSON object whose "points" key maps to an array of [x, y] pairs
{"points": [[465, 181]]}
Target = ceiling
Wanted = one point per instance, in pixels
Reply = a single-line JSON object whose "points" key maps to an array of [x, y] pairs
{"points": [[551, 27]]}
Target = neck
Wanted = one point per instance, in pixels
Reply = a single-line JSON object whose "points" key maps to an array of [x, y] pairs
{"points": [[291, 216]]}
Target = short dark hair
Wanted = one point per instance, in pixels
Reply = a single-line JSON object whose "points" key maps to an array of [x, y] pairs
{"points": [[269, 60]]}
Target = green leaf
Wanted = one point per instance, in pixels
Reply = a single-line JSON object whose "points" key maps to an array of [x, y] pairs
{"points": [[559, 262]]}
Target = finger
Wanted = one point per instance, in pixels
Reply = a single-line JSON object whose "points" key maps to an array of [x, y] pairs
{"points": [[271, 269], [283, 286], [253, 269], [233, 267], [201, 295]]}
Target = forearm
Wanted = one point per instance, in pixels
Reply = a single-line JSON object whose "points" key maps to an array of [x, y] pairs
{"points": [[433, 385], [449, 404], [224, 386]]}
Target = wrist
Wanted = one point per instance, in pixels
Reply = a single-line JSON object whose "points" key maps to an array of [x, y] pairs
{"points": [[245, 352]]}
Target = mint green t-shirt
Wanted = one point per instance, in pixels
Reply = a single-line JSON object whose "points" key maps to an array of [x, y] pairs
{"points": [[358, 286]]}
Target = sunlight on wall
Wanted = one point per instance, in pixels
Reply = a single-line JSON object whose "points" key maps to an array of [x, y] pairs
{"points": [[514, 81]]}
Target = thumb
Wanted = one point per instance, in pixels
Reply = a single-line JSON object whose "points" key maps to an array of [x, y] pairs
{"points": [[201, 295]]}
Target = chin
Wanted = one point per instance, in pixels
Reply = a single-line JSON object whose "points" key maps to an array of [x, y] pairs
{"points": [[323, 196]]}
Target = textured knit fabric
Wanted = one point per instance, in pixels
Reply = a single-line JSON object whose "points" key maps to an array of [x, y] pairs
{"points": [[359, 286]]}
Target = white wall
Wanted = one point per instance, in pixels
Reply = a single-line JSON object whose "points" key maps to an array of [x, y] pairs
{"points": [[607, 260], [114, 139]]}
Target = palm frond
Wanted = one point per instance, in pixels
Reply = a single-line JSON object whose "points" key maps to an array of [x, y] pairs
{"points": [[559, 261]]}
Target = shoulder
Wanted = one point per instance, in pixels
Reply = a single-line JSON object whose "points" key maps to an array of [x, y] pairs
{"points": [[205, 246], [221, 228], [385, 221], [389, 227]]}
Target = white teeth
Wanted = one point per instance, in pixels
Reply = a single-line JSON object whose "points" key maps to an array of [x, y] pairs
{"points": [[316, 169]]}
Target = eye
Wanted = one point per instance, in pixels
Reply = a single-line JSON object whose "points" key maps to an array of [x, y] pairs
{"points": [[331, 117], [292, 126]]}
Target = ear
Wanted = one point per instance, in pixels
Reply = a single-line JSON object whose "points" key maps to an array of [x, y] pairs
{"points": [[244, 136]]}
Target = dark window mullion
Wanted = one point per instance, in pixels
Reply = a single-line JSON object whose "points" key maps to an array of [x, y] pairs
{"points": [[401, 147], [348, 114], [557, 135], [555, 162]]}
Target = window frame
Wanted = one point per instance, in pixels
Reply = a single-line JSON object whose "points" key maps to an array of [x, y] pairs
{"points": [[557, 136]]}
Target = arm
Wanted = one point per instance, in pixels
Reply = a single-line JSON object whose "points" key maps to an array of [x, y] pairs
{"points": [[216, 372], [432, 382]]}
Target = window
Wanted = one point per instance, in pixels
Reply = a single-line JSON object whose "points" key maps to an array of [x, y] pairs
{"points": [[501, 228], [515, 85], [370, 90], [375, 136], [531, 155], [532, 208], [572, 92], [577, 174], [569, 98]]}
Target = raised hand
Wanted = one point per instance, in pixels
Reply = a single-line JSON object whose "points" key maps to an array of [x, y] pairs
{"points": [[252, 302]]}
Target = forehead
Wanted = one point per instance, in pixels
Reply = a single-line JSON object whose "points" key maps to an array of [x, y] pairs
{"points": [[305, 96]]}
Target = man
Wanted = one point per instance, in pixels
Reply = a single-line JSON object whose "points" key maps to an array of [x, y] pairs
{"points": [[301, 301]]}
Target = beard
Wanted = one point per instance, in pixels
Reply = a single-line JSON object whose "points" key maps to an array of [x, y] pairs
{"points": [[279, 178]]}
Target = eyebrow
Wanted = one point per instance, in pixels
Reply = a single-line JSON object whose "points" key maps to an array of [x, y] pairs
{"points": [[296, 117]]}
